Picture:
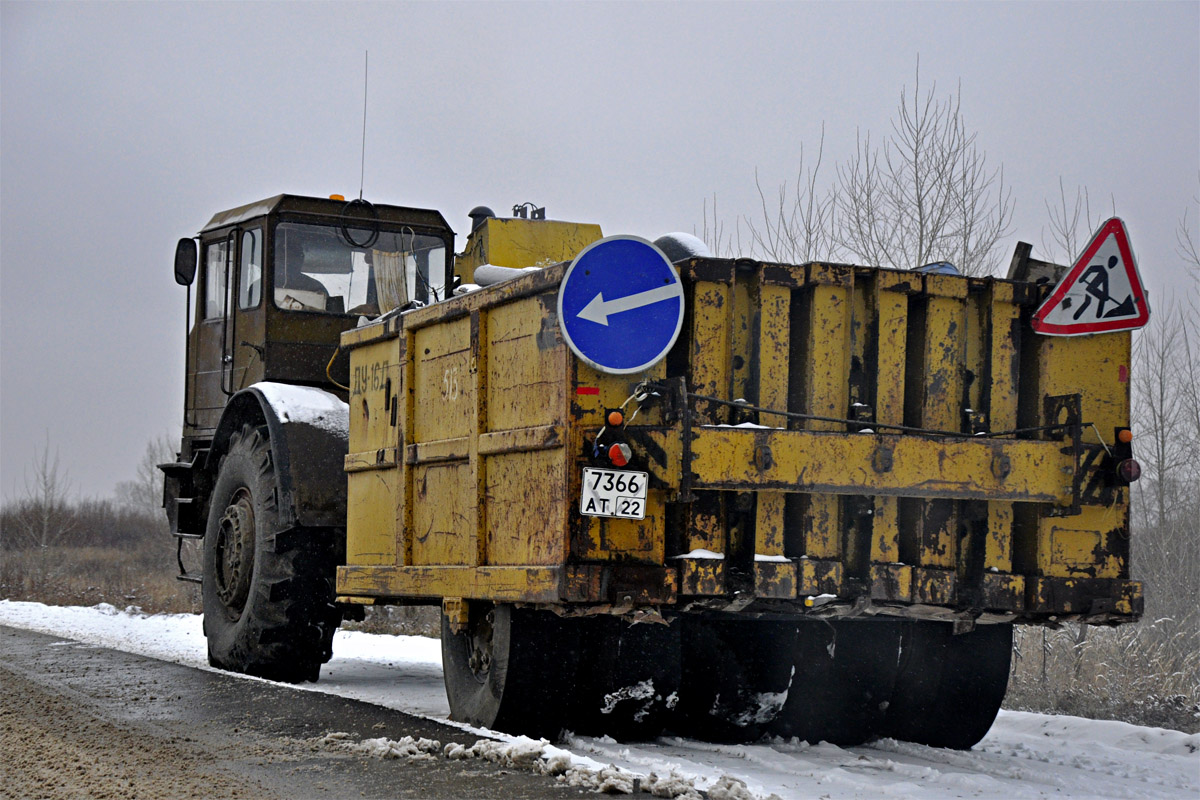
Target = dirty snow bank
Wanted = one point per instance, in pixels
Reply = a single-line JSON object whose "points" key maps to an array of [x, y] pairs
{"points": [[538, 755]]}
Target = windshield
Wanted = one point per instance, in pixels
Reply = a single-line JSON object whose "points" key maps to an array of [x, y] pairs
{"points": [[318, 269]]}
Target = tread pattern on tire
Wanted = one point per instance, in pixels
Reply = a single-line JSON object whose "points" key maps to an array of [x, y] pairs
{"points": [[285, 630]]}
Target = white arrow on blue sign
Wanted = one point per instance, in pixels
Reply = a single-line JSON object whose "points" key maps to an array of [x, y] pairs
{"points": [[620, 305]]}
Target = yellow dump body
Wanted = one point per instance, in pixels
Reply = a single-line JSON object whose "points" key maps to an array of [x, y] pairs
{"points": [[822, 430]]}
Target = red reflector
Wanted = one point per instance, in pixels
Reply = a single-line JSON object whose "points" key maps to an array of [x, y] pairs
{"points": [[1123, 374], [1129, 470], [587, 390], [619, 454]]}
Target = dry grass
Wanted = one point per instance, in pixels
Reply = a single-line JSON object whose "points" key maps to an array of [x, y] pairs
{"points": [[1147, 673], [85, 576]]}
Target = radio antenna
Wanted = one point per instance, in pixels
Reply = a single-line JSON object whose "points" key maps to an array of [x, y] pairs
{"points": [[363, 165]]}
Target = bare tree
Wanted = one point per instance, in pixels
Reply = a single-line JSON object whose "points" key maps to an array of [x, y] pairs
{"points": [[144, 492], [798, 227], [44, 517], [927, 194], [1070, 224], [1186, 239]]}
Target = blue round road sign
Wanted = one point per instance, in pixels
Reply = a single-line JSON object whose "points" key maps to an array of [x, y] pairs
{"points": [[620, 305]]}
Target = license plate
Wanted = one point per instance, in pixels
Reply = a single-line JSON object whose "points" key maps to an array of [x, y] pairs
{"points": [[613, 493]]}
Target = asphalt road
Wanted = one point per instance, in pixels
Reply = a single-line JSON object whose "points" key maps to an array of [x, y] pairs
{"points": [[83, 721]]}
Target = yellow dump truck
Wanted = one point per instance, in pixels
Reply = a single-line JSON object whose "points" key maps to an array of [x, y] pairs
{"points": [[649, 488]]}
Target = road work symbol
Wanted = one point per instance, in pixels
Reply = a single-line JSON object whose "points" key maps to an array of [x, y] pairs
{"points": [[1101, 293], [620, 305]]}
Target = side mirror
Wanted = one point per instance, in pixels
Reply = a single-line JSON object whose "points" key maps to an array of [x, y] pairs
{"points": [[186, 257]]}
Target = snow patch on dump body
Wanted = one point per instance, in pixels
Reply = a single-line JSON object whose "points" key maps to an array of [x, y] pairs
{"points": [[307, 405]]}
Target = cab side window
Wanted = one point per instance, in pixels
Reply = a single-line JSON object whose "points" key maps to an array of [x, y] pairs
{"points": [[250, 274], [215, 256]]}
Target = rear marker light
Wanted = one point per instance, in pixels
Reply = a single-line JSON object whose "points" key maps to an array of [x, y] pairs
{"points": [[619, 454], [1125, 436], [615, 418], [1129, 470]]}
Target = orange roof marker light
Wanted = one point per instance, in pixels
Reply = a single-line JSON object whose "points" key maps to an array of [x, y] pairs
{"points": [[337, 197]]}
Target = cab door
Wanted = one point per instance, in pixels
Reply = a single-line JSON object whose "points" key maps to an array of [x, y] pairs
{"points": [[210, 332]]}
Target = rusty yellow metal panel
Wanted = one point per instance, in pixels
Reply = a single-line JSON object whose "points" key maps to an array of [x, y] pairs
{"points": [[1082, 544], [1093, 542], [527, 507], [701, 576], [772, 578], [525, 366], [374, 498], [826, 374], [933, 586], [527, 584], [373, 504], [891, 307], [777, 580], [743, 325], [802, 461], [444, 388], [1096, 367], [998, 552], [819, 576], [375, 384], [442, 515], [891, 582], [774, 344], [523, 243], [711, 355]]}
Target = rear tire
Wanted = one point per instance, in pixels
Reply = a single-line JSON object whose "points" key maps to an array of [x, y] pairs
{"points": [[268, 598], [509, 669]]}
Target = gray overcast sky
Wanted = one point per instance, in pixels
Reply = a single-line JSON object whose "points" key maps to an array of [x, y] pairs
{"points": [[125, 126]]}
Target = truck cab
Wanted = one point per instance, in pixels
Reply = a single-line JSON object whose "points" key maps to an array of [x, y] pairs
{"points": [[277, 282]]}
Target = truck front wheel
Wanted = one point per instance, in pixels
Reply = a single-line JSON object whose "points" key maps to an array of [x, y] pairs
{"points": [[268, 598]]}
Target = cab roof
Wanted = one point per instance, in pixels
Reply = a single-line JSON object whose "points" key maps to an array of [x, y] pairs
{"points": [[324, 207]]}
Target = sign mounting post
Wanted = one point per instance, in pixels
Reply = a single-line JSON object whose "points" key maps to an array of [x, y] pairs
{"points": [[1102, 293]]}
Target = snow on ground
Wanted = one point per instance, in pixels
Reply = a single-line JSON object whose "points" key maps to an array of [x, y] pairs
{"points": [[1024, 756]]}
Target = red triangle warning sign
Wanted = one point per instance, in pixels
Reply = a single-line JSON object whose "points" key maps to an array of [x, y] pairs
{"points": [[1102, 292]]}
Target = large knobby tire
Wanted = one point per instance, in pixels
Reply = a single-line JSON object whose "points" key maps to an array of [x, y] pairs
{"points": [[736, 677], [509, 669], [268, 596], [950, 687]]}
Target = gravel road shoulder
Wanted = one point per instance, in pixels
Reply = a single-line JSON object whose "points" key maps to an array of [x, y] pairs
{"points": [[82, 721]]}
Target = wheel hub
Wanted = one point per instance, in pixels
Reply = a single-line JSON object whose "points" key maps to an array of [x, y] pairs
{"points": [[480, 659], [235, 552]]}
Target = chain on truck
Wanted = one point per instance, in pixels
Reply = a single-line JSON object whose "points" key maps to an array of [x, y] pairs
{"points": [[648, 488]]}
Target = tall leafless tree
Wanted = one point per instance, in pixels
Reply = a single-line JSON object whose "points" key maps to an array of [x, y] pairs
{"points": [[44, 517], [798, 224], [927, 194], [144, 491]]}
